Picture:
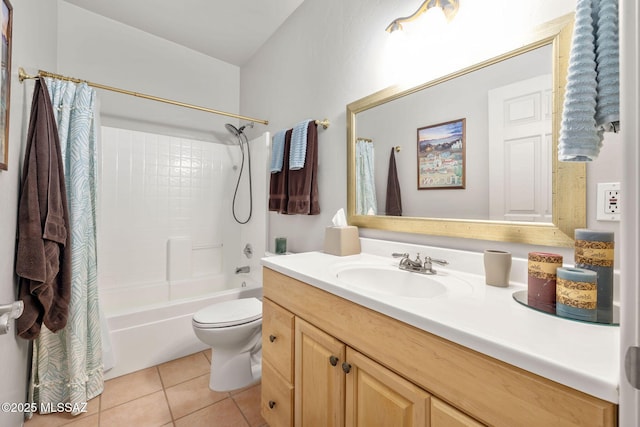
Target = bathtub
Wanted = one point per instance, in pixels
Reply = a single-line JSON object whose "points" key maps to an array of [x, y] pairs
{"points": [[154, 334]]}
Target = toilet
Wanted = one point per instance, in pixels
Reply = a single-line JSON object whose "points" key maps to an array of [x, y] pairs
{"points": [[233, 329]]}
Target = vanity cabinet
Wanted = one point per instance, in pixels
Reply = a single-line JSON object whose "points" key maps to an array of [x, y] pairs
{"points": [[375, 396], [319, 380], [443, 415], [337, 386], [349, 365], [277, 365]]}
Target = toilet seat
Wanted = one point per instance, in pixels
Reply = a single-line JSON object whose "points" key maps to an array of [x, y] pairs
{"points": [[228, 313]]}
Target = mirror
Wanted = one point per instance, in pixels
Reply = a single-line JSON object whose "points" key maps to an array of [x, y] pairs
{"points": [[510, 189]]}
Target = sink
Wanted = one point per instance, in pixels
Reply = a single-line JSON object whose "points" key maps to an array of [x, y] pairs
{"points": [[393, 281]]}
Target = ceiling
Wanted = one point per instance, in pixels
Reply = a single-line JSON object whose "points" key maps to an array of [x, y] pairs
{"points": [[229, 30]]}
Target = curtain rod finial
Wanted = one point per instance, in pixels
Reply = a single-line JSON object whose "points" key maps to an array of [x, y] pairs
{"points": [[22, 75]]}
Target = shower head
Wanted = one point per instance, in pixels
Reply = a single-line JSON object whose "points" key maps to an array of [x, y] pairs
{"points": [[235, 131]]}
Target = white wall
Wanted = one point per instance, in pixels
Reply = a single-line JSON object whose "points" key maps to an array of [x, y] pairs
{"points": [[104, 51], [330, 53], [34, 29]]}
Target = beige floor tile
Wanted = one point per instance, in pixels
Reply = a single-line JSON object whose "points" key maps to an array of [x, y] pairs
{"points": [[249, 403], [89, 421], [224, 413], [207, 354], [47, 420], [57, 419], [129, 387], [192, 395], [151, 411], [184, 369], [138, 399]]}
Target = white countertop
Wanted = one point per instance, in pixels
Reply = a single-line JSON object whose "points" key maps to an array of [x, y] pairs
{"points": [[579, 355]]}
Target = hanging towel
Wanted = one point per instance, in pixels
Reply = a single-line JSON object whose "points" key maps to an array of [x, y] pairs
{"points": [[366, 203], [303, 183], [299, 148], [608, 62], [393, 205], [43, 258], [278, 184], [277, 151], [591, 104]]}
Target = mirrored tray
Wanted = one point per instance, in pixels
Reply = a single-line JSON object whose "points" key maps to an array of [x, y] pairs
{"points": [[521, 297]]}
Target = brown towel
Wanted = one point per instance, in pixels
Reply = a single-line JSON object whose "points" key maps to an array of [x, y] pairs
{"points": [[303, 183], [43, 259], [278, 185], [393, 205]]}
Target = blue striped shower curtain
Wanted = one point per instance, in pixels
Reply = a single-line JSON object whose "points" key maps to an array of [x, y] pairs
{"points": [[365, 180], [67, 366]]}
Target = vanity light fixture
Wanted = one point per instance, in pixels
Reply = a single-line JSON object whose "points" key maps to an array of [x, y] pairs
{"points": [[449, 8]]}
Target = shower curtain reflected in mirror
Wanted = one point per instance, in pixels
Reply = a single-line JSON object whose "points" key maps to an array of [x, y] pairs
{"points": [[67, 366], [366, 203]]}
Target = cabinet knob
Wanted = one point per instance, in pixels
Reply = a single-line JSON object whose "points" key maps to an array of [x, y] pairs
{"points": [[346, 367], [333, 360], [272, 404], [272, 338]]}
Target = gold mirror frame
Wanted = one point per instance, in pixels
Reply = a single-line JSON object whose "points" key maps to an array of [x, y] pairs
{"points": [[568, 178]]}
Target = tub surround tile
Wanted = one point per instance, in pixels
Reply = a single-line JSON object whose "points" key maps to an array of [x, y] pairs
{"points": [[183, 369], [192, 395], [151, 410], [131, 386]]}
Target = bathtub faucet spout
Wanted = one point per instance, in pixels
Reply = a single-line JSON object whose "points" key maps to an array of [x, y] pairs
{"points": [[243, 269]]}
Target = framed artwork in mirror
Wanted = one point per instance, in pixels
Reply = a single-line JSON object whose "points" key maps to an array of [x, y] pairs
{"points": [[441, 155], [5, 84]]}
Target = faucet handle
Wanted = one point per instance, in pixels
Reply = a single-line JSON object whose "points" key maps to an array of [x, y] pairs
{"points": [[399, 255], [437, 261]]}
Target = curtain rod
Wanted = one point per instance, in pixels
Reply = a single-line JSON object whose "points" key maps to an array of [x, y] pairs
{"points": [[22, 75]]}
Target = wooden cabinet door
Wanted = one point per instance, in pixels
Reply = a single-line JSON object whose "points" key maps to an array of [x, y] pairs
{"points": [[277, 398], [277, 338], [319, 379], [444, 415], [377, 397]]}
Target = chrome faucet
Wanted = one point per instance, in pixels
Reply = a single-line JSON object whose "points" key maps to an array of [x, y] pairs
{"points": [[418, 265], [243, 269]]}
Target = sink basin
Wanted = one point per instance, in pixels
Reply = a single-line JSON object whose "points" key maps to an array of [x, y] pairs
{"points": [[393, 281]]}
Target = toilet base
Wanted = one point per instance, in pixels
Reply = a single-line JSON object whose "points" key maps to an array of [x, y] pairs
{"points": [[231, 371]]}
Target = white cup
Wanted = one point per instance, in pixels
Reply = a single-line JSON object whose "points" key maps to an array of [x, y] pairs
{"points": [[497, 267]]}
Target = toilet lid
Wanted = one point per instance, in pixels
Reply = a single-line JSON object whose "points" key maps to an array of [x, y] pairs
{"points": [[229, 313]]}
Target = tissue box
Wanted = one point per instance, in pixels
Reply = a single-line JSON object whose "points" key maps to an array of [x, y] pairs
{"points": [[342, 241]]}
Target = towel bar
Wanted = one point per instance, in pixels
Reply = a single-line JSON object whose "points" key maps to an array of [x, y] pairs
{"points": [[324, 123]]}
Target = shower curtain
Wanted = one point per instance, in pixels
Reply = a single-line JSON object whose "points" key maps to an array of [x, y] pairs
{"points": [[67, 366], [365, 181]]}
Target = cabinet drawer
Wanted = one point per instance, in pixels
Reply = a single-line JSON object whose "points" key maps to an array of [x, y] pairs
{"points": [[277, 398], [277, 338], [443, 415]]}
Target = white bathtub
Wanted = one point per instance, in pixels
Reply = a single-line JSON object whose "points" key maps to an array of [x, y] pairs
{"points": [[155, 334]]}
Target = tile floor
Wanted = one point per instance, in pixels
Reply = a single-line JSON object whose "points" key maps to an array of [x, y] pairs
{"points": [[172, 394]]}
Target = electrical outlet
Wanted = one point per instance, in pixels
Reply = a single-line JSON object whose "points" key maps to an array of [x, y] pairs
{"points": [[608, 201]]}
